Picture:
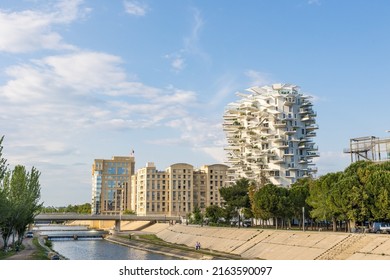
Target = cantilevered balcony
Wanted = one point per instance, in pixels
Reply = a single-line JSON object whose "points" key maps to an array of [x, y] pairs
{"points": [[277, 160], [312, 127], [283, 145], [279, 139], [312, 154], [306, 118], [279, 124], [303, 160], [312, 148], [290, 131]]}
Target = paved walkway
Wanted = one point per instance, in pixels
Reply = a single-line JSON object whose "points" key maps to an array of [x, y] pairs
{"points": [[27, 253]]}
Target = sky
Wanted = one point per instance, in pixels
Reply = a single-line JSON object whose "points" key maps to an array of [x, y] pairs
{"points": [[84, 80]]}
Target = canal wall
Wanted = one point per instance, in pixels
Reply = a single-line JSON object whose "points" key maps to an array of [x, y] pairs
{"points": [[251, 243]]}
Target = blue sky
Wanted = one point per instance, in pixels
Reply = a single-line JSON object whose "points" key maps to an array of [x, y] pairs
{"points": [[81, 80]]}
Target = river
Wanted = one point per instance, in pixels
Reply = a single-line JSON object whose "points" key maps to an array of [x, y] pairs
{"points": [[92, 248], [99, 249]]}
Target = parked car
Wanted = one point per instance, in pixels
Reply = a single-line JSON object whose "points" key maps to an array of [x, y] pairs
{"points": [[29, 234], [379, 227]]}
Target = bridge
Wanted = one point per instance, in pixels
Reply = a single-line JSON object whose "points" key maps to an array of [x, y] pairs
{"points": [[64, 217]]}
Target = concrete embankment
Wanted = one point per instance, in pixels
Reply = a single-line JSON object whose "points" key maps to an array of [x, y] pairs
{"points": [[251, 243], [177, 252]]}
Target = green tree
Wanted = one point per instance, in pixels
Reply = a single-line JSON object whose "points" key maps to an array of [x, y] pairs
{"points": [[378, 189], [322, 197], [3, 162], [269, 202], [299, 193], [236, 197], [197, 216], [22, 193], [213, 213]]}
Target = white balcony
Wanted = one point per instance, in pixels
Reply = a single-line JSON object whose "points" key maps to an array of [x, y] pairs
{"points": [[312, 127], [280, 124], [312, 154], [290, 131]]}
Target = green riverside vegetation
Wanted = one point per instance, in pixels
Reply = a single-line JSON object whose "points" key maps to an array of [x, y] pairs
{"points": [[19, 201], [357, 196]]}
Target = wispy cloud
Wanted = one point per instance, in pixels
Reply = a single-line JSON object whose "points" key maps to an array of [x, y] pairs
{"points": [[199, 133], [31, 30], [191, 42], [190, 46], [314, 2], [257, 78], [135, 8]]}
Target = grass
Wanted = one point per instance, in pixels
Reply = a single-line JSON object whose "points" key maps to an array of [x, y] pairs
{"points": [[40, 253], [5, 255]]}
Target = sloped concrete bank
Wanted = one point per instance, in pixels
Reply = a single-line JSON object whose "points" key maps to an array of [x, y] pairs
{"points": [[180, 252], [278, 244]]}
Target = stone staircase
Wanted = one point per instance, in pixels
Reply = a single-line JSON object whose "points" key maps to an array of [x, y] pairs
{"points": [[345, 248]]}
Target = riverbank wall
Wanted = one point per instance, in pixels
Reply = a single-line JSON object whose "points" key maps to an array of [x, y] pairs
{"points": [[253, 243]]}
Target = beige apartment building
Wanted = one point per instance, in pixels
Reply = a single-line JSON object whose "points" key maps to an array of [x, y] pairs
{"points": [[177, 190], [111, 185]]}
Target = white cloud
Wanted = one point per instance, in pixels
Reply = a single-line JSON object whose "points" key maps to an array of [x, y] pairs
{"points": [[314, 2], [84, 90], [191, 41], [190, 44], [200, 134], [257, 78], [135, 8], [178, 63], [86, 71], [31, 30]]}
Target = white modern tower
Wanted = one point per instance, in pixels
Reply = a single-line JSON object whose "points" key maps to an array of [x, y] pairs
{"points": [[270, 135]]}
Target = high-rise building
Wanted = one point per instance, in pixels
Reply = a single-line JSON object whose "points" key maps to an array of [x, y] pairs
{"points": [[270, 134], [111, 184], [177, 190]]}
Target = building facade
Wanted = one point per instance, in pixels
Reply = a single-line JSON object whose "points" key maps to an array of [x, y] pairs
{"points": [[111, 185], [177, 190], [270, 135]]}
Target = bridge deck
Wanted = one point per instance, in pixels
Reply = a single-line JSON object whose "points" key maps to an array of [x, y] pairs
{"points": [[70, 217]]}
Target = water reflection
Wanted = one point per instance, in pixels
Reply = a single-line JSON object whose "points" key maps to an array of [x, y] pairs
{"points": [[102, 250]]}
